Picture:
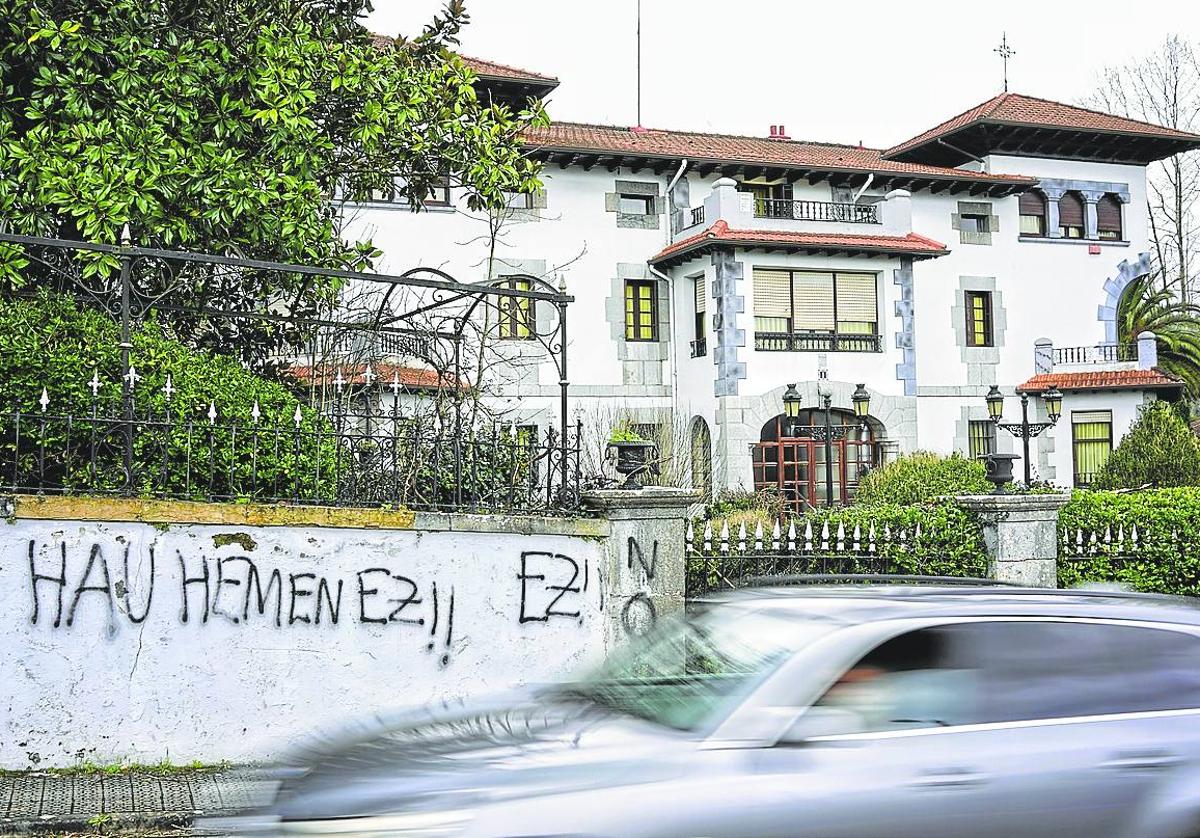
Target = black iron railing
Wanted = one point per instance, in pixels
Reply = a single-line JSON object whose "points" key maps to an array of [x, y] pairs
{"points": [[816, 211], [416, 459], [697, 216], [1102, 353], [699, 347], [816, 342]]}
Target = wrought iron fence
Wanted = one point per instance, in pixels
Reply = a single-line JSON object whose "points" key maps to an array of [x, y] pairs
{"points": [[337, 443], [353, 454], [812, 342], [697, 216], [1102, 353], [722, 560]]}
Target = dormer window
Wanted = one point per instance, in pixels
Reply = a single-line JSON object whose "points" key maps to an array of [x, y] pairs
{"points": [[1070, 216], [1033, 213], [1108, 218]]}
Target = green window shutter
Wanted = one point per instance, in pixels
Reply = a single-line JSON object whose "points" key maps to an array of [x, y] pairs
{"points": [[857, 302], [772, 293], [813, 294]]}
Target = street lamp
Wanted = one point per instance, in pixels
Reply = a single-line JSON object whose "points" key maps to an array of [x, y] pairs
{"points": [[1025, 430], [791, 407], [862, 403]]}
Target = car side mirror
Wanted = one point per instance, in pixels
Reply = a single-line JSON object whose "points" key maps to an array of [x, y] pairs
{"points": [[821, 721]]}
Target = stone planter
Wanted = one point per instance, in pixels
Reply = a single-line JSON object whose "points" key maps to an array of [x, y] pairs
{"points": [[633, 460], [999, 469]]}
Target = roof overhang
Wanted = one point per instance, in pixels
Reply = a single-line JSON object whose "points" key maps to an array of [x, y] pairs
{"points": [[513, 91], [969, 183], [815, 244], [1019, 139]]}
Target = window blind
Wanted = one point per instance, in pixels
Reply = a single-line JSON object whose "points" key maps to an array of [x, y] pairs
{"points": [[813, 294], [772, 294], [1108, 215], [856, 301], [1032, 203], [701, 296], [1070, 210], [1087, 417]]}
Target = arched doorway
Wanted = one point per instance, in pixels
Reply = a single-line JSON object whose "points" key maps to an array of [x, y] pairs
{"points": [[701, 458], [791, 457]]}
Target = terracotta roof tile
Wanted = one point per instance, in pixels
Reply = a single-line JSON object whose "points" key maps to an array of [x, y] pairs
{"points": [[491, 69], [409, 377], [578, 136], [1101, 380], [1018, 109], [910, 245]]}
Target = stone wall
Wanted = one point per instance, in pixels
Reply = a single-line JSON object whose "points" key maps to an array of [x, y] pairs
{"points": [[150, 630]]}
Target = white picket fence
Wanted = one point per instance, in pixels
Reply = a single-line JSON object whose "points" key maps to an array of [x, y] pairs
{"points": [[1122, 542], [807, 540]]}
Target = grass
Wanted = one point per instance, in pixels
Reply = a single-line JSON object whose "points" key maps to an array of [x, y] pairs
{"points": [[88, 768]]}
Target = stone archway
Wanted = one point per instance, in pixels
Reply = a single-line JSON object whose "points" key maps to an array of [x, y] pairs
{"points": [[1127, 272]]}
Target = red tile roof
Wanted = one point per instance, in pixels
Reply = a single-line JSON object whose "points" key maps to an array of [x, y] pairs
{"points": [[1101, 380], [1017, 109], [577, 136], [409, 377], [910, 245]]}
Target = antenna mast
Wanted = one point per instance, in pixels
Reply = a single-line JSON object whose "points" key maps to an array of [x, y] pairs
{"points": [[639, 63]]}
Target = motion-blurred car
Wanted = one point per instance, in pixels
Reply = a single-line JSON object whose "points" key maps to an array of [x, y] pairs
{"points": [[822, 711]]}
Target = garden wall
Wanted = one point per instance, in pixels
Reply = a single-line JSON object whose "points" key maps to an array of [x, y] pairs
{"points": [[142, 630]]}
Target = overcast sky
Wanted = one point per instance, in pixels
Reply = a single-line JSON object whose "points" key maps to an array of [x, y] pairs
{"points": [[875, 71]]}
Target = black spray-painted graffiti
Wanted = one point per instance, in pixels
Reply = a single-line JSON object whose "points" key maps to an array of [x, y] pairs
{"points": [[237, 590], [551, 584], [638, 614]]}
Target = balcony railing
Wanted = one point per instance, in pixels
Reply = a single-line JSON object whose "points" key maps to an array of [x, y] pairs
{"points": [[699, 347], [816, 211], [697, 216], [1103, 353], [816, 342]]}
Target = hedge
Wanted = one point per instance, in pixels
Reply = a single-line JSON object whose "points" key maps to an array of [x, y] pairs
{"points": [[922, 476], [1166, 557]]}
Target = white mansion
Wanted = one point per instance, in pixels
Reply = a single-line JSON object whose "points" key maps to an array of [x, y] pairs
{"points": [[710, 272]]}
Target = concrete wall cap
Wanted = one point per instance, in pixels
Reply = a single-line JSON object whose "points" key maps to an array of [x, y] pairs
{"points": [[1014, 503], [650, 496], [897, 193], [725, 182]]}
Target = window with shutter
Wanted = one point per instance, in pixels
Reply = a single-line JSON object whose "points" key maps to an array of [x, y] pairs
{"points": [[772, 300], [700, 296], [1070, 216], [979, 318], [1032, 206], [813, 302], [1108, 218], [981, 437], [857, 306], [1091, 438], [516, 313]]}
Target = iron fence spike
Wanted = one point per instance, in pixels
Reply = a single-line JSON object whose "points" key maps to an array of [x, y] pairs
{"points": [[44, 401], [212, 412]]}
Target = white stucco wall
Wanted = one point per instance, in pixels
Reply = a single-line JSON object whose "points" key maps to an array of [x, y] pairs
{"points": [[136, 655]]}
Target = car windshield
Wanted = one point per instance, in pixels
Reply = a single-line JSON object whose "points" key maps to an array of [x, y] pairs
{"points": [[685, 671]]}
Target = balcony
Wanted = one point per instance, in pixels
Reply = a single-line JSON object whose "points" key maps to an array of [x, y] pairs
{"points": [[816, 342], [795, 210], [697, 216], [699, 347], [1102, 353]]}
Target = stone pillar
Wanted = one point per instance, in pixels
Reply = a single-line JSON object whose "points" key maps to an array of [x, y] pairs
{"points": [[1052, 220], [723, 203], [643, 567], [1147, 351], [889, 451], [1043, 356], [897, 212], [1091, 224], [1021, 536]]}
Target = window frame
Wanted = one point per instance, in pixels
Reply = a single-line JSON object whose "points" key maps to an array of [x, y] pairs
{"points": [[989, 437], [633, 311], [986, 321], [1076, 443], [791, 319], [647, 202], [982, 223], [518, 316], [1072, 231], [1117, 234], [1040, 217]]}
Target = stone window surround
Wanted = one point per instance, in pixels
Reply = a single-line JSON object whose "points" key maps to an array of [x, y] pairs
{"points": [[641, 360], [981, 361], [983, 208], [522, 348], [1091, 191], [638, 221]]}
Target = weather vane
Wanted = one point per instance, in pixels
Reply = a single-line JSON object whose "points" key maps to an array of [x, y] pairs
{"points": [[1006, 52]]}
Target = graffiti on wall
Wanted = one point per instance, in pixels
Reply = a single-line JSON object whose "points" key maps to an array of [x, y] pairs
{"points": [[239, 590], [638, 614]]}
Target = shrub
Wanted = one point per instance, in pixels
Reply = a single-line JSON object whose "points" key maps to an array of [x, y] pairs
{"points": [[1159, 450], [920, 477], [734, 507], [1167, 554], [50, 341]]}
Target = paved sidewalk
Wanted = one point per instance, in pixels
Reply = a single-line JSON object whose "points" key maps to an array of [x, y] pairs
{"points": [[40, 801]]}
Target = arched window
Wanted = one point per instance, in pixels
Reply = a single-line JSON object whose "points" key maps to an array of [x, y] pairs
{"points": [[1070, 216], [1108, 218], [793, 459], [1033, 213]]}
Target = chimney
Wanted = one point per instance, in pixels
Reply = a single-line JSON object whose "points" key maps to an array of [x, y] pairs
{"points": [[778, 132]]}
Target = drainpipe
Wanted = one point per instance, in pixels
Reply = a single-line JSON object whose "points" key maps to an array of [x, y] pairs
{"points": [[866, 185], [672, 355], [962, 151]]}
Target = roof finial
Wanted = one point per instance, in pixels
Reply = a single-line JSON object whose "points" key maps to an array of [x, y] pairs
{"points": [[1005, 52]]}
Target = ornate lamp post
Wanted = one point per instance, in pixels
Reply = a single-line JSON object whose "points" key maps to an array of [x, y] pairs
{"points": [[791, 407], [1024, 430]]}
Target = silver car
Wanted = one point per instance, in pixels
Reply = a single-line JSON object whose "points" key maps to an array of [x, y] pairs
{"points": [[811, 712]]}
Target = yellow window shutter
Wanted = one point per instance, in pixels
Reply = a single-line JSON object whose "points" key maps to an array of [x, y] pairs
{"points": [[814, 301], [772, 295], [856, 298]]}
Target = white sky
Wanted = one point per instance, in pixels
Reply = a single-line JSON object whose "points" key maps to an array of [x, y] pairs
{"points": [[878, 71]]}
